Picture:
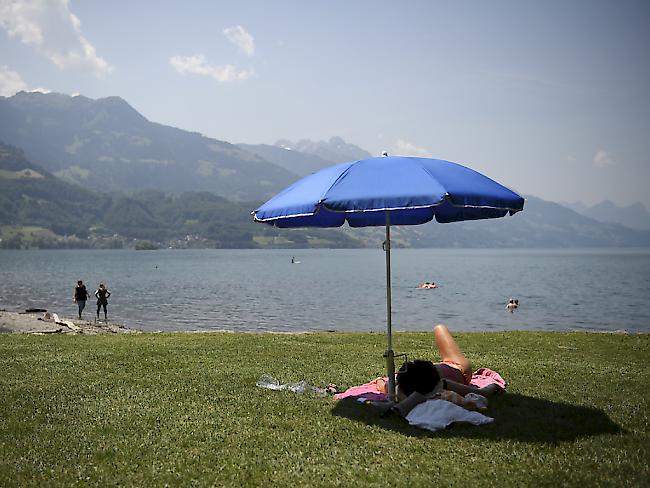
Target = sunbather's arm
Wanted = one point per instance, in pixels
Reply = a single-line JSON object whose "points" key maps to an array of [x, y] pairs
{"points": [[463, 390]]}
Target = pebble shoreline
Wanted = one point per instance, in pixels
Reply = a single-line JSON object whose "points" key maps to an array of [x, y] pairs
{"points": [[33, 323]]}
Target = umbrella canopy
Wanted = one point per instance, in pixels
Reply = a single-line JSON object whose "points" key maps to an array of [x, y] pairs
{"points": [[413, 190], [390, 190]]}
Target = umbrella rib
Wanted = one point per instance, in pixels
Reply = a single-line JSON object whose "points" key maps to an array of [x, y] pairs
{"points": [[257, 219], [447, 195]]}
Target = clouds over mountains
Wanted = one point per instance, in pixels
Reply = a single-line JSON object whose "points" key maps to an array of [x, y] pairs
{"points": [[54, 31], [198, 64], [51, 29]]}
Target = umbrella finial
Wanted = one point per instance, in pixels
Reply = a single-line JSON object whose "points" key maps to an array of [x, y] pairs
{"points": [[384, 154]]}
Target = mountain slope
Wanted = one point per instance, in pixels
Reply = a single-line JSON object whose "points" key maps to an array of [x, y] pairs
{"points": [[635, 216], [107, 145], [31, 195], [38, 209], [335, 150], [297, 162], [540, 224]]}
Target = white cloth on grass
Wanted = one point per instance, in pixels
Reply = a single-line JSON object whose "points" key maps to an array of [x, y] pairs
{"points": [[437, 414]]}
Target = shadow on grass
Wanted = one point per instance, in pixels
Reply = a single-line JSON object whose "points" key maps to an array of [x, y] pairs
{"points": [[516, 417]]}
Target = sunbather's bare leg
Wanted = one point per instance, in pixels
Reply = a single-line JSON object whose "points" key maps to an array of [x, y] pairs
{"points": [[449, 350]]}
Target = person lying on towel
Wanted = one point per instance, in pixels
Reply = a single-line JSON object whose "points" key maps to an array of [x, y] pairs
{"points": [[453, 373]]}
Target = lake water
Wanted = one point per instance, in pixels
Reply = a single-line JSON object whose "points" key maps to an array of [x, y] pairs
{"points": [[256, 290]]}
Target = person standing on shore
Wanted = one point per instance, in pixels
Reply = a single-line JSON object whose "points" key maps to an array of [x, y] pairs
{"points": [[102, 295], [80, 296]]}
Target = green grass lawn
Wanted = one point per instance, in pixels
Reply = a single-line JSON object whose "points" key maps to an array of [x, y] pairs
{"points": [[183, 410]]}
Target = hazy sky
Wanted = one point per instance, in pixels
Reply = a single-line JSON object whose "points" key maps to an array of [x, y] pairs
{"points": [[550, 98]]}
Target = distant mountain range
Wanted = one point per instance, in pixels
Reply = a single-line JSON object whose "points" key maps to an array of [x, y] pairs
{"points": [[181, 189], [540, 224], [299, 163], [335, 150], [305, 157], [107, 145], [634, 216]]}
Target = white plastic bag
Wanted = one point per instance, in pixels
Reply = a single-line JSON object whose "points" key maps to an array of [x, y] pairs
{"points": [[269, 382]]}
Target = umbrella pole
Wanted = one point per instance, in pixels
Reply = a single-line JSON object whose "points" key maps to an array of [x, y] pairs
{"points": [[389, 354]]}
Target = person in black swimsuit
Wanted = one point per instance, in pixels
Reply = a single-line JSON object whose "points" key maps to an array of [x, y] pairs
{"points": [[102, 295]]}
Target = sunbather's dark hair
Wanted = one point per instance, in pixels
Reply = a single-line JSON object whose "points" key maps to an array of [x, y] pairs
{"points": [[418, 375]]}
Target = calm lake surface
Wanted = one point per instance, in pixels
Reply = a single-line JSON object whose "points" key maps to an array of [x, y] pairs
{"points": [[254, 290]]}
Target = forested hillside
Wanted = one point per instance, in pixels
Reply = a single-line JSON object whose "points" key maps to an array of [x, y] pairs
{"points": [[39, 210]]}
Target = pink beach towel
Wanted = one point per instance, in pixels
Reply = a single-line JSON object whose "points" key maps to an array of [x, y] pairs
{"points": [[371, 391], [484, 376], [374, 390]]}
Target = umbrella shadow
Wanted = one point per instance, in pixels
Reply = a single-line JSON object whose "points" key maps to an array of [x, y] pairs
{"points": [[516, 417]]}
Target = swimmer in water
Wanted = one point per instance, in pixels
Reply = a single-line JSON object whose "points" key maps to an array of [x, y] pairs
{"points": [[428, 285]]}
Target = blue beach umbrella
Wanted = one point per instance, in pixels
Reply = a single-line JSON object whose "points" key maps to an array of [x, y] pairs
{"points": [[385, 191]]}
